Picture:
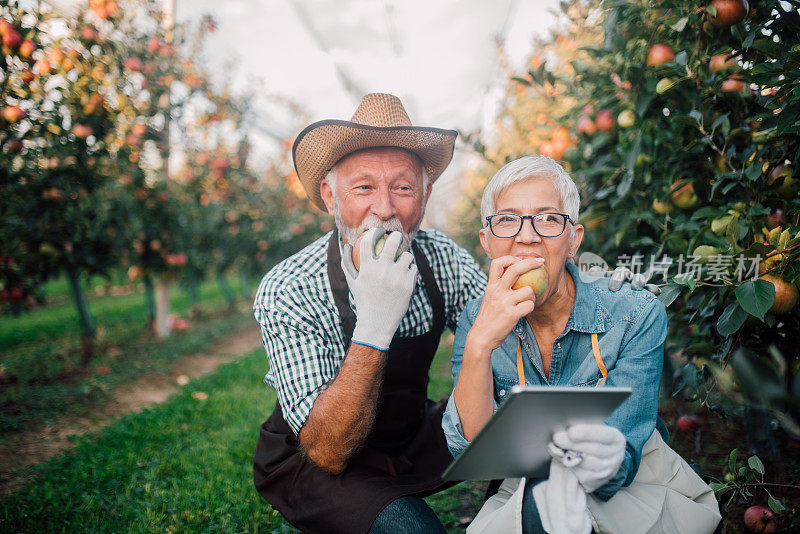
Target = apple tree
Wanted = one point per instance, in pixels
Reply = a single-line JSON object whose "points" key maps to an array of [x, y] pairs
{"points": [[686, 120]]}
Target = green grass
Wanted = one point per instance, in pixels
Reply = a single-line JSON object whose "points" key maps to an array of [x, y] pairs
{"points": [[185, 465], [40, 351]]}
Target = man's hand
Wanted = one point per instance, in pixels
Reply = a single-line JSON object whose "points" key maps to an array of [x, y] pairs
{"points": [[593, 452], [622, 274], [381, 289]]}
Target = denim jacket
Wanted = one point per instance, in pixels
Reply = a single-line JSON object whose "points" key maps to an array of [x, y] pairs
{"points": [[631, 327]]}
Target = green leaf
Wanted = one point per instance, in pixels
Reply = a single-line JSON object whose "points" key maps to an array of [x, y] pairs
{"points": [[775, 505], [686, 279], [669, 293], [718, 487], [756, 297], [753, 171], [680, 25], [731, 319], [756, 464], [789, 117], [732, 460]]}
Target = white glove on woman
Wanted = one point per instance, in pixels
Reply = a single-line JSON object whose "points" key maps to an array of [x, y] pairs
{"points": [[561, 502], [381, 289], [601, 446]]}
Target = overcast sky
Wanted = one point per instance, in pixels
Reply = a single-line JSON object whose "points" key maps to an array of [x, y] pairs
{"points": [[438, 56]]}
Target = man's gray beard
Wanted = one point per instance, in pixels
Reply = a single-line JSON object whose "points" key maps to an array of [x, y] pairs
{"points": [[349, 234]]}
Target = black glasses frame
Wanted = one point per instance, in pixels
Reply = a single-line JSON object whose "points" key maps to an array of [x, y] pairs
{"points": [[528, 217]]}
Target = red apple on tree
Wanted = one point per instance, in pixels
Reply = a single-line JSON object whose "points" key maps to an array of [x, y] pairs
{"points": [[27, 48], [13, 114], [688, 423], [728, 12], [733, 84], [82, 131], [5, 27], [721, 62], [760, 519], [585, 125], [12, 39], [133, 63], [605, 120], [42, 66], [659, 54]]}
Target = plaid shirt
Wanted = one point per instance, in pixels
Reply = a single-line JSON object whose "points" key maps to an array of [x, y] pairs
{"points": [[300, 323]]}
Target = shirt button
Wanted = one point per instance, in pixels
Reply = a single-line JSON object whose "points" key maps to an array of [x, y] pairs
{"points": [[502, 393], [558, 345]]}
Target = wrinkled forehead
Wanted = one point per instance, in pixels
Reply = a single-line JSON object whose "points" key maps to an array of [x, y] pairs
{"points": [[397, 158], [529, 195]]}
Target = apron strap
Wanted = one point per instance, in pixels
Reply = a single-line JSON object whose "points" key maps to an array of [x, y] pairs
{"points": [[597, 357], [595, 351]]}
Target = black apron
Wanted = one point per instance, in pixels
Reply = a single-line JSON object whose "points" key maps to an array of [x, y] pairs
{"points": [[404, 454]]}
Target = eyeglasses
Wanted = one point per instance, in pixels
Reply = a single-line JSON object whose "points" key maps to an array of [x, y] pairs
{"points": [[506, 225]]}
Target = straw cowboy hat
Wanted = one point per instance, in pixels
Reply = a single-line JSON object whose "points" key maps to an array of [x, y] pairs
{"points": [[379, 121]]}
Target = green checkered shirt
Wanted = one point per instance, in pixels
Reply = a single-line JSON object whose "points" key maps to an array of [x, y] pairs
{"points": [[300, 323]]}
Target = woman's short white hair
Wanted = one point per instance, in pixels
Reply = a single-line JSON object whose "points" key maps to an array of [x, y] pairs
{"points": [[525, 168]]}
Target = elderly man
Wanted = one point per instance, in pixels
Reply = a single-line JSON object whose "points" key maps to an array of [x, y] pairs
{"points": [[354, 442]]}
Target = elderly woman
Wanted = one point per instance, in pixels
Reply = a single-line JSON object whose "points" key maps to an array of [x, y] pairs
{"points": [[576, 332]]}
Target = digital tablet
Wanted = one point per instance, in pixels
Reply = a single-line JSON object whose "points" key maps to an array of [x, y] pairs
{"points": [[513, 443]]}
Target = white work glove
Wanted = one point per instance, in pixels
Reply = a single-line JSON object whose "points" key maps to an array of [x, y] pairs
{"points": [[623, 274], [381, 289], [593, 452], [561, 502]]}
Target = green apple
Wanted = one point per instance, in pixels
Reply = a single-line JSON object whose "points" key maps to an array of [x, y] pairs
{"points": [[378, 249], [535, 278]]}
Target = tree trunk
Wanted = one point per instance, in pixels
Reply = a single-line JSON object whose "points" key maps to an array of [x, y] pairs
{"points": [[192, 288], [226, 288], [149, 295], [85, 317], [245, 280], [162, 326]]}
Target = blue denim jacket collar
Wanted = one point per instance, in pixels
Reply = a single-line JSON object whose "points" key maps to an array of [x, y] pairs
{"points": [[588, 315]]}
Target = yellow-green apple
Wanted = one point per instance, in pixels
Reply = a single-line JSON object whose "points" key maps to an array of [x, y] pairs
{"points": [[786, 294], [661, 208], [536, 279], [378, 249], [626, 119], [683, 195]]}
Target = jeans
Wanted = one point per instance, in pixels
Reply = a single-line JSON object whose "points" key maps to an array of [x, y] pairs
{"points": [[531, 522], [407, 515]]}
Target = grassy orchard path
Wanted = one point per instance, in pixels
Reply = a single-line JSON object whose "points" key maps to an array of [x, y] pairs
{"points": [[185, 464], [28, 448]]}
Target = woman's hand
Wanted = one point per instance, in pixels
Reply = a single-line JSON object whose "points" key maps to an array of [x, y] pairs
{"points": [[502, 306]]}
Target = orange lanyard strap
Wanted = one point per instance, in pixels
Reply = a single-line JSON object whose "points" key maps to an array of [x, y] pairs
{"points": [[597, 357], [595, 351]]}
